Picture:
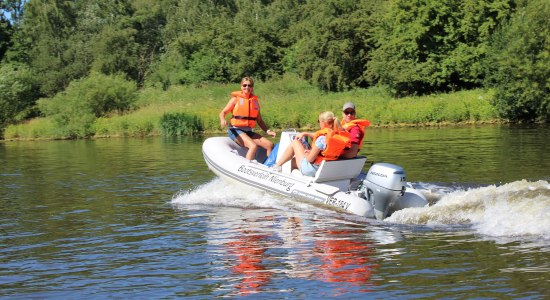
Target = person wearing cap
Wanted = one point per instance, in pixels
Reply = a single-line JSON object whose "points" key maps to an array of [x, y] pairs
{"points": [[355, 127]]}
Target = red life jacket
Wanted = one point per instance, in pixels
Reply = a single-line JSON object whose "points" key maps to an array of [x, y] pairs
{"points": [[359, 123], [246, 110]]}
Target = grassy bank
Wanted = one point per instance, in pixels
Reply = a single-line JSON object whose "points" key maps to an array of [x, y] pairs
{"points": [[286, 103]]}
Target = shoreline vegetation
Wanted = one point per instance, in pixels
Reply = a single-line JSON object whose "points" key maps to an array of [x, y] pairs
{"points": [[287, 102], [133, 68]]}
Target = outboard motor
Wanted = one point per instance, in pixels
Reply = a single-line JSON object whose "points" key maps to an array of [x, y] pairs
{"points": [[384, 184]]}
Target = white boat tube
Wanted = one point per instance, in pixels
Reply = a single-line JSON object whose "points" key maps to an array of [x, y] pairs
{"points": [[338, 184]]}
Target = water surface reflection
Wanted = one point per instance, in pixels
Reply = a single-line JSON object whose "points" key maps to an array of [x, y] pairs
{"points": [[123, 218]]}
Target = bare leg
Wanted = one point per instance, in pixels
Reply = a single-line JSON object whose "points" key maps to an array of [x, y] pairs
{"points": [[287, 155], [245, 141], [264, 143], [299, 154], [296, 148]]}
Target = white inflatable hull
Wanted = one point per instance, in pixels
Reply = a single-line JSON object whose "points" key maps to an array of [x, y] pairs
{"points": [[226, 159]]}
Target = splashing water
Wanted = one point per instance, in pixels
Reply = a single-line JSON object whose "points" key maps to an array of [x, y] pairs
{"points": [[516, 209], [220, 193], [520, 208]]}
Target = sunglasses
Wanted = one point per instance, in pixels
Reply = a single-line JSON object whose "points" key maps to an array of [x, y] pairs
{"points": [[349, 112], [248, 85]]}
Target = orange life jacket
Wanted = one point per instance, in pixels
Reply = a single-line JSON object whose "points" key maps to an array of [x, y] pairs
{"points": [[359, 123], [336, 141], [246, 110]]}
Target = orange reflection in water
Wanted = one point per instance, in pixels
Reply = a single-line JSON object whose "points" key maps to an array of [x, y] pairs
{"points": [[249, 250], [344, 259], [336, 256]]}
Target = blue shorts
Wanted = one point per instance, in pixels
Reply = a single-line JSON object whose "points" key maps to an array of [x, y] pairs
{"points": [[308, 168], [235, 132]]}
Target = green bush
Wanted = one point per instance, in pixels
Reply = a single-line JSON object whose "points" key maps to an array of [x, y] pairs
{"points": [[76, 109], [18, 91], [518, 67], [176, 124]]}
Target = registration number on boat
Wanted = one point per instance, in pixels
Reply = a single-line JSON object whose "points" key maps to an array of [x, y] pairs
{"points": [[338, 203]]}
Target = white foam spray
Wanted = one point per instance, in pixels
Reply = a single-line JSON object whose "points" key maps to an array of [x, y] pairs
{"points": [[517, 209], [520, 208], [220, 193]]}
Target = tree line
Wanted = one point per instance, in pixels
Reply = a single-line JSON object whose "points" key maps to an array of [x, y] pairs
{"points": [[408, 47]]}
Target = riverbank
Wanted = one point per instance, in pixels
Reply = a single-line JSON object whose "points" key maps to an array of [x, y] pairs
{"points": [[286, 103]]}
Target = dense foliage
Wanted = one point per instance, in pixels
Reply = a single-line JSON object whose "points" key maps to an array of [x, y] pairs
{"points": [[519, 64], [18, 91], [407, 47], [434, 45], [84, 100]]}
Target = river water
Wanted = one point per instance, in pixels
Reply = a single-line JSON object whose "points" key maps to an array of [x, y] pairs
{"points": [[145, 218]]}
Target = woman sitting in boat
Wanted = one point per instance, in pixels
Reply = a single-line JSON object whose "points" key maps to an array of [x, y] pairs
{"points": [[245, 109], [328, 144], [355, 127]]}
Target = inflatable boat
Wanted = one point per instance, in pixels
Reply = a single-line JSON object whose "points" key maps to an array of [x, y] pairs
{"points": [[339, 184]]}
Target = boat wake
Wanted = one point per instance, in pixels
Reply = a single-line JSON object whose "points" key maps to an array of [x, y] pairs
{"points": [[220, 193], [517, 210]]}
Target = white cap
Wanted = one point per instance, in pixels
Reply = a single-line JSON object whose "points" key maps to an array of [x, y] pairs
{"points": [[348, 105]]}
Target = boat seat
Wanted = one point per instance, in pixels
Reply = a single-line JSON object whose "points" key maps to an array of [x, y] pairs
{"points": [[341, 169]]}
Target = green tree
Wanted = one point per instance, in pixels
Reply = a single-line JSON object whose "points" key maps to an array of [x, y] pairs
{"points": [[10, 14], [115, 51], [43, 39], [12, 10], [332, 42], [129, 38], [149, 19], [5, 36], [250, 45], [426, 46], [518, 67], [18, 91], [190, 55], [222, 41]]}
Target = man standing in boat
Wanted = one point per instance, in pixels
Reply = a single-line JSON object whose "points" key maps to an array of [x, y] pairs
{"points": [[245, 109], [355, 127]]}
